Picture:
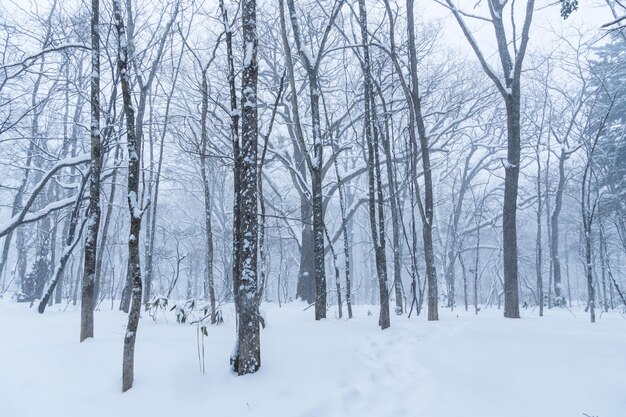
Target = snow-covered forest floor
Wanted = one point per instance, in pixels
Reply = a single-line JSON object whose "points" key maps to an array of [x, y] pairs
{"points": [[558, 365]]}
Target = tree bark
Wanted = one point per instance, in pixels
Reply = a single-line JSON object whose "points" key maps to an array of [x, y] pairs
{"points": [[559, 299], [538, 247], [135, 213], [427, 211], [375, 183], [248, 354], [209, 287], [93, 222]]}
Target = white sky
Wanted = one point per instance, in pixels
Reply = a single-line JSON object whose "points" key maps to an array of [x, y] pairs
{"points": [[546, 29]]}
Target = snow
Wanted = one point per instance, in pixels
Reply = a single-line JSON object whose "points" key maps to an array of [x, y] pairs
{"points": [[463, 365], [249, 54]]}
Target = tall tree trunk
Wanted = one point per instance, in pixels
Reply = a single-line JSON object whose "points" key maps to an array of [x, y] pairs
{"points": [[318, 204], [559, 300], [144, 83], [509, 88], [509, 215], [476, 267], [248, 353], [305, 288], [375, 183], [538, 247], [315, 164], [395, 212], [93, 222], [427, 211], [135, 213], [209, 288], [105, 227], [234, 134], [346, 240], [603, 264]]}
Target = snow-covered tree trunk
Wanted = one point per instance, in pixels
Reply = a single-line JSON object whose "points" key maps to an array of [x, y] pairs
{"points": [[509, 86], [135, 213], [234, 136], [247, 358], [93, 213], [373, 165], [315, 163], [71, 242]]}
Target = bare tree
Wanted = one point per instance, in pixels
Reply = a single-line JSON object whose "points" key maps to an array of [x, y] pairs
{"points": [[509, 86]]}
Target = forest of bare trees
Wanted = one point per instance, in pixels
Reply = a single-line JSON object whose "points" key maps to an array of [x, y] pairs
{"points": [[411, 156]]}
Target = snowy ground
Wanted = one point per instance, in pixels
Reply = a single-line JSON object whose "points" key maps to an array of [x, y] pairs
{"points": [[463, 365]]}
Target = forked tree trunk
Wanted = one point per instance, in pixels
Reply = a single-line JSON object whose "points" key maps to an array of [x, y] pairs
{"points": [[311, 66], [509, 88], [373, 169]]}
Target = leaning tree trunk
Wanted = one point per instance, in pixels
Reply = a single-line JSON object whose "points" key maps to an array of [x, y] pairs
{"points": [[134, 159]]}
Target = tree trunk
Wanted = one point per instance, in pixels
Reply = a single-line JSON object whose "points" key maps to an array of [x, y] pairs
{"points": [[93, 222], [559, 300], [509, 215], [71, 242], [209, 288], [346, 241], [427, 211], [538, 248], [105, 227], [134, 160], [248, 353], [375, 183]]}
